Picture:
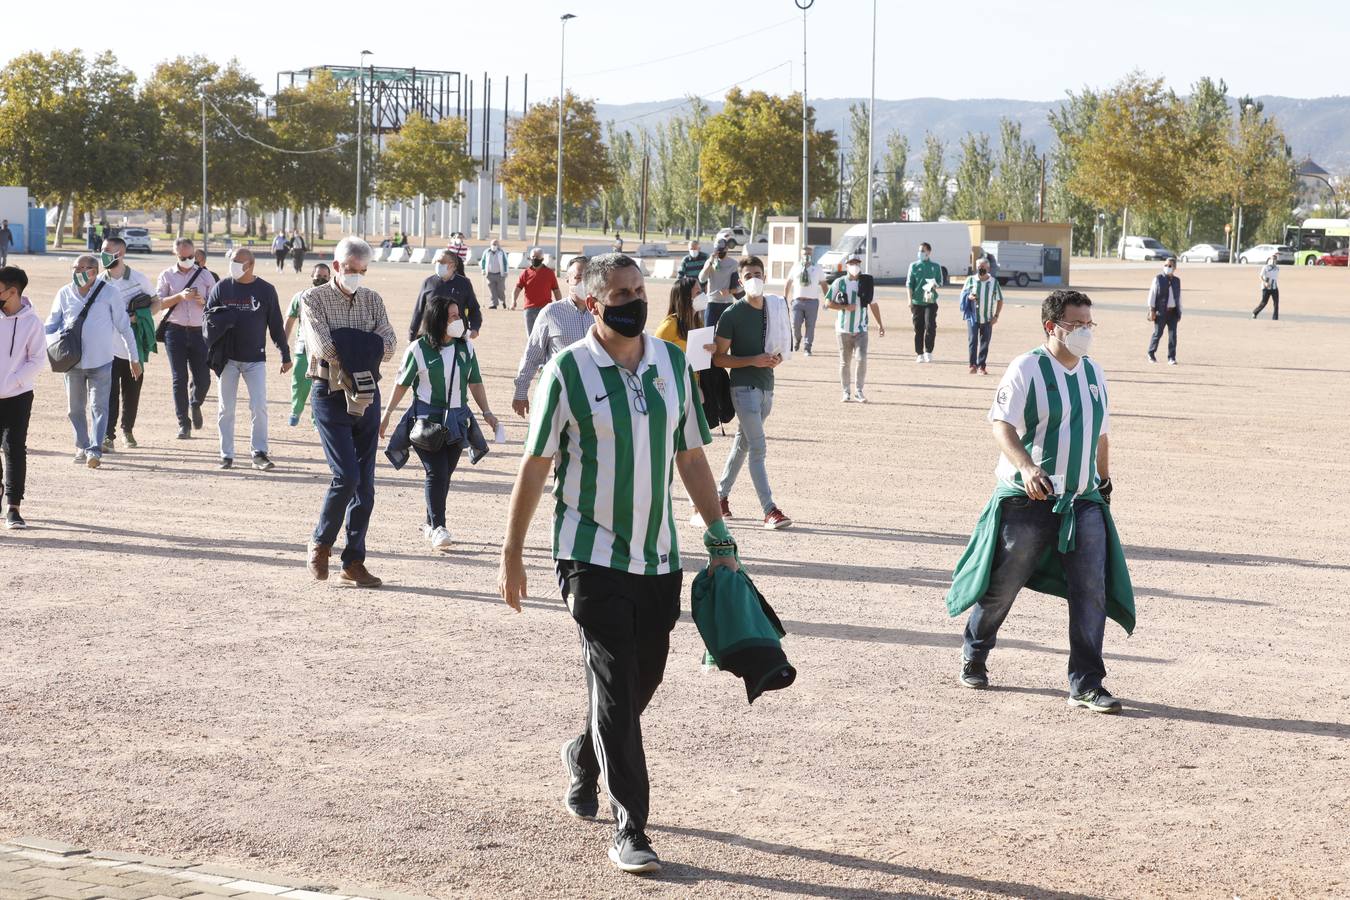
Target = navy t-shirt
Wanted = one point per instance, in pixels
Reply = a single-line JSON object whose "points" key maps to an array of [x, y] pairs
{"points": [[256, 312]]}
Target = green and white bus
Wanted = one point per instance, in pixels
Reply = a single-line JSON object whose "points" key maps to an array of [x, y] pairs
{"points": [[1315, 237]]}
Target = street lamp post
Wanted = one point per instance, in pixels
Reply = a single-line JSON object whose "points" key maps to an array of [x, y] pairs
{"points": [[360, 114], [871, 123], [804, 5], [562, 96]]}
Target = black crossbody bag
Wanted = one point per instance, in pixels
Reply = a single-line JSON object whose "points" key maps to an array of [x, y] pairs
{"points": [[64, 353], [164, 319]]}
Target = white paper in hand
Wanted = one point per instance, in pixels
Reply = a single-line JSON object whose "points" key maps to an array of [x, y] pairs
{"points": [[500, 436], [699, 358]]}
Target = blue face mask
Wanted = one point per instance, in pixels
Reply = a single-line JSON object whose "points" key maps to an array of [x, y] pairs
{"points": [[923, 256]]}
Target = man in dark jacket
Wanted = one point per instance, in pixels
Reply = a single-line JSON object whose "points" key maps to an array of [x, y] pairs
{"points": [[1164, 310], [241, 312], [447, 283]]}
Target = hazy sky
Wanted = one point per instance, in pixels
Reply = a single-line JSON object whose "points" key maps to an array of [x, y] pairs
{"points": [[634, 51]]}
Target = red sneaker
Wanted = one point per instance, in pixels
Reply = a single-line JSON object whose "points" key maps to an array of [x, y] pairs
{"points": [[776, 520], [726, 507]]}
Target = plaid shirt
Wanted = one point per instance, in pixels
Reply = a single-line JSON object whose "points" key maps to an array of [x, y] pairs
{"points": [[327, 308], [560, 325]]}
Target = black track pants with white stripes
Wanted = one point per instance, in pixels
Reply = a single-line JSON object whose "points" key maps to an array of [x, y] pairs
{"points": [[625, 622]]}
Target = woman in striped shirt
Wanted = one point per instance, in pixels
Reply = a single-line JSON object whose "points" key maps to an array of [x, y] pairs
{"points": [[442, 371]]}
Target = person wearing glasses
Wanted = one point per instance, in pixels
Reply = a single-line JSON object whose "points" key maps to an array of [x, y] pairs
{"points": [[1049, 522], [621, 411]]}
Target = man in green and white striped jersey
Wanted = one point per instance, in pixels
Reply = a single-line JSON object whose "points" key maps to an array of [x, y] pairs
{"points": [[852, 295], [622, 412], [984, 290], [1048, 524]]}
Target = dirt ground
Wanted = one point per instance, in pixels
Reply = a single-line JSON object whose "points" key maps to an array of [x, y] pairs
{"points": [[172, 682]]}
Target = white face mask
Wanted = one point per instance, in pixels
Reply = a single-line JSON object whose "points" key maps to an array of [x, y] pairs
{"points": [[456, 329], [186, 264], [236, 270], [754, 286], [700, 303], [1168, 270], [854, 270], [442, 269], [349, 281], [1079, 341]]}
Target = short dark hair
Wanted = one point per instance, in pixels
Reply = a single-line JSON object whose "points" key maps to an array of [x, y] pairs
{"points": [[748, 261], [1052, 308], [436, 317], [116, 242], [581, 261], [600, 268], [927, 246], [13, 276]]}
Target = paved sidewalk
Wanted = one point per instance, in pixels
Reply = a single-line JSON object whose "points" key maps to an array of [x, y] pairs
{"points": [[37, 869]]}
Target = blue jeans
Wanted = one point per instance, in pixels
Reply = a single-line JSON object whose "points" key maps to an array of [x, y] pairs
{"points": [[82, 386], [1028, 529], [1169, 321], [349, 444], [255, 377], [977, 336], [187, 359], [439, 466], [752, 407]]}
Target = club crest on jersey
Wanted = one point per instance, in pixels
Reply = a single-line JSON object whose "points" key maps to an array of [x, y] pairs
{"points": [[1002, 397], [1095, 392], [660, 384]]}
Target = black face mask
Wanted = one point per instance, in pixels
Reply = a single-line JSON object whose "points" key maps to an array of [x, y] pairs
{"points": [[628, 320], [721, 253], [536, 263], [318, 281]]}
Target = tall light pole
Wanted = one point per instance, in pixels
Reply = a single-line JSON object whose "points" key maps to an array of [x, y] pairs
{"points": [[871, 125], [205, 211], [804, 5], [360, 114], [562, 96]]}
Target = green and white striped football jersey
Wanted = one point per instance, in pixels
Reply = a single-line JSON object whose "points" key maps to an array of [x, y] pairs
{"points": [[849, 321], [1058, 413], [987, 296], [616, 435], [425, 368]]}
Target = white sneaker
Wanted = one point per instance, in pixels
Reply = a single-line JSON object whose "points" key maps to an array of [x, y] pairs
{"points": [[927, 357], [919, 358], [847, 398], [439, 538], [859, 397], [1171, 362]]}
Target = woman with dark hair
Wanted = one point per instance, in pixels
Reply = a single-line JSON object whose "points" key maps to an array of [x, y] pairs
{"points": [[685, 313], [441, 369]]}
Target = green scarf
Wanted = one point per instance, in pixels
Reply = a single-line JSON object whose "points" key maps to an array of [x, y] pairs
{"points": [[143, 327], [971, 578]]}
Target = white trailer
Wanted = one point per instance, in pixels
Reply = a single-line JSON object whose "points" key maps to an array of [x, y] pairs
{"points": [[896, 244], [1017, 261]]}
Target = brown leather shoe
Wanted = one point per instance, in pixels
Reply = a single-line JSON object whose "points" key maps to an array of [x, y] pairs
{"points": [[355, 575], [318, 560]]}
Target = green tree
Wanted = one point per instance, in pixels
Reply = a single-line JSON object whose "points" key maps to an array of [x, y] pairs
{"points": [[752, 154], [1256, 174], [858, 161], [933, 186], [1017, 184], [892, 193], [428, 159], [1071, 122], [1131, 153], [621, 197], [531, 167], [974, 179]]}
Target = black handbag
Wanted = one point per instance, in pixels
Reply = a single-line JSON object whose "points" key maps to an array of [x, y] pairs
{"points": [[64, 353], [431, 436]]}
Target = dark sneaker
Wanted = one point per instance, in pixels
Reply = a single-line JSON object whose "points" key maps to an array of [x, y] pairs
{"points": [[262, 463], [726, 507], [13, 520], [184, 432], [197, 416], [777, 520], [974, 674], [582, 797], [1097, 700], [294, 421], [108, 445], [631, 852], [130, 440], [226, 463]]}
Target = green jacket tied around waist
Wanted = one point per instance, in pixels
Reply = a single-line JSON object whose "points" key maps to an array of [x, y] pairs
{"points": [[971, 579]]}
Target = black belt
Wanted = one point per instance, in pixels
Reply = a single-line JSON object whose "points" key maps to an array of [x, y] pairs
{"points": [[185, 327]]}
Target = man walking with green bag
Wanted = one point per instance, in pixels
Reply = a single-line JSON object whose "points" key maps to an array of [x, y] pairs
{"points": [[923, 280]]}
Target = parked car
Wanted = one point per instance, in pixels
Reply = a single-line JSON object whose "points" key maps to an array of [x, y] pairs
{"points": [[737, 235], [1334, 258], [1283, 253], [1137, 247], [1205, 253], [138, 239]]}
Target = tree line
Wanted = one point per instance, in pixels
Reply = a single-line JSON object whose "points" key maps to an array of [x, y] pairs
{"points": [[82, 134]]}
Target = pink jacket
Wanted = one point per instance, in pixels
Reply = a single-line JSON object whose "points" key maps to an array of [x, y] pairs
{"points": [[23, 350]]}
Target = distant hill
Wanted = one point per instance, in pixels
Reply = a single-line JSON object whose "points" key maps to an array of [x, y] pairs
{"points": [[1319, 128]]}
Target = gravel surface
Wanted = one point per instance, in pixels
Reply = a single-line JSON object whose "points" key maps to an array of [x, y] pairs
{"points": [[173, 683]]}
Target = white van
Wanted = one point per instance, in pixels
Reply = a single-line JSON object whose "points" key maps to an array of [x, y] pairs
{"points": [[896, 244]]}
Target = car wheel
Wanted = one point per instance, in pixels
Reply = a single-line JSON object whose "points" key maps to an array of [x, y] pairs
{"points": [[1310, 261], [1022, 279]]}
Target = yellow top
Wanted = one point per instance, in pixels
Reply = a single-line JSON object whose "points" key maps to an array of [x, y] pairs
{"points": [[669, 330]]}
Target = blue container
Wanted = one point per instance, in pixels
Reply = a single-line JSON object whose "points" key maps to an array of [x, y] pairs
{"points": [[37, 230]]}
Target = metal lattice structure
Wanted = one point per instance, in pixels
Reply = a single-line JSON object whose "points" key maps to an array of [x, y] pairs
{"points": [[391, 95]]}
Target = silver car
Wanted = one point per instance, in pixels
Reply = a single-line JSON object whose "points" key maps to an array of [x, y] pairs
{"points": [[138, 240], [1284, 254], [1205, 253]]}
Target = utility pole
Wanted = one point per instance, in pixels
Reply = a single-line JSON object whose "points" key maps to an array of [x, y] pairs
{"points": [[871, 119], [205, 211], [562, 97], [360, 114], [804, 5], [1041, 214]]}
